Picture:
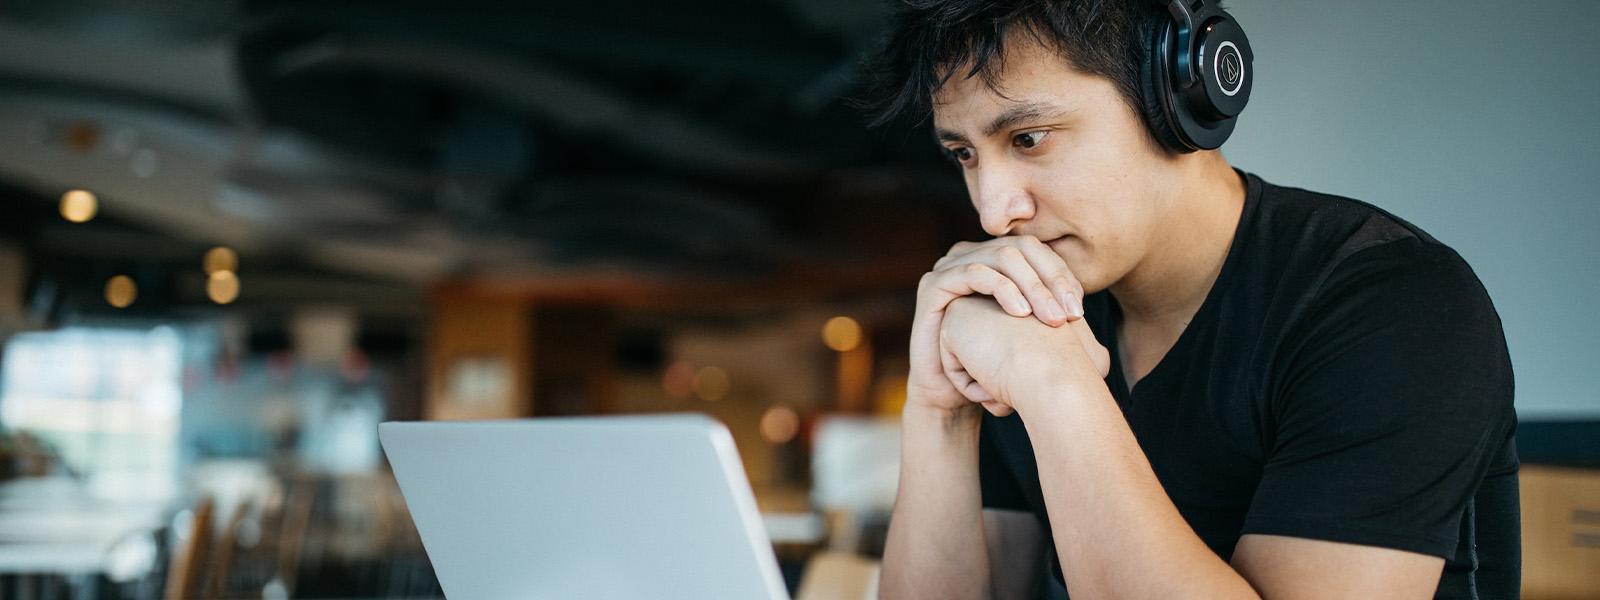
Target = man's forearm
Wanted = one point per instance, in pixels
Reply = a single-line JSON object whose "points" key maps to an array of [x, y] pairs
{"points": [[1116, 531], [935, 547]]}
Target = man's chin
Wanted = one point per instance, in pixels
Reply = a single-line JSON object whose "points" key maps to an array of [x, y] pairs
{"points": [[997, 408], [1093, 285]]}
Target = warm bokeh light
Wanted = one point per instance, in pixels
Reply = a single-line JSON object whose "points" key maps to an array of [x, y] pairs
{"points": [[82, 137], [79, 206], [220, 258], [222, 287], [121, 291], [780, 424], [841, 333], [678, 379], [711, 383]]}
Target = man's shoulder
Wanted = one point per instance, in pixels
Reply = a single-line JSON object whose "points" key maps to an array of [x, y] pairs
{"points": [[1382, 302], [1324, 262], [1328, 236], [1339, 224]]}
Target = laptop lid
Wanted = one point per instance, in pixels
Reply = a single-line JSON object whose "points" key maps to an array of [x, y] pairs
{"points": [[653, 506]]}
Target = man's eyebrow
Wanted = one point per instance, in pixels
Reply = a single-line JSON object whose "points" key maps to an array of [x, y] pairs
{"points": [[941, 134], [1019, 113]]}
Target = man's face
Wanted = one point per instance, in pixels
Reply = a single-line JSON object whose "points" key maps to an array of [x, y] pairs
{"points": [[1060, 156]]}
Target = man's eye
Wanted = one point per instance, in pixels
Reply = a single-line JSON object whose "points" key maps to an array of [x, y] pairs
{"points": [[1029, 139], [960, 154]]}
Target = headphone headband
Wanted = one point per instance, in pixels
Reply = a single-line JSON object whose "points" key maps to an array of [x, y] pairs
{"points": [[1197, 75], [1183, 17]]}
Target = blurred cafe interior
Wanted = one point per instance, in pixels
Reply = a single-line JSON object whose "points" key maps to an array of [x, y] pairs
{"points": [[237, 235]]}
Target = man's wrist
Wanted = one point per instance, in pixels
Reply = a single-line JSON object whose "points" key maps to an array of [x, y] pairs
{"points": [[1052, 387], [926, 419]]}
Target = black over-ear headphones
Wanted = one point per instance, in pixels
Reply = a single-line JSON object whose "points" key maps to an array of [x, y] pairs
{"points": [[1196, 75]]}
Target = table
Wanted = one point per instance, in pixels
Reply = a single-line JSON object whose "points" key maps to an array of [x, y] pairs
{"points": [[53, 525]]}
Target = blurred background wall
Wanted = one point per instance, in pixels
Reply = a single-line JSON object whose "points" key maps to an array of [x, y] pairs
{"points": [[1475, 120]]}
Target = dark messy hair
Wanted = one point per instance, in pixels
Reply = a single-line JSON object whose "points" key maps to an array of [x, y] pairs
{"points": [[932, 39]]}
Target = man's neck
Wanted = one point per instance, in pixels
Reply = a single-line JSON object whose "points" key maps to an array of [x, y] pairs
{"points": [[1168, 286]]}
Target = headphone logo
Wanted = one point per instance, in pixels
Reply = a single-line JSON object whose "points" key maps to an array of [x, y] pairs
{"points": [[1229, 68]]}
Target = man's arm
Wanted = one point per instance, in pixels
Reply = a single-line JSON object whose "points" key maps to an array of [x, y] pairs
{"points": [[934, 550], [1290, 567], [1120, 536], [1117, 533], [936, 546]]}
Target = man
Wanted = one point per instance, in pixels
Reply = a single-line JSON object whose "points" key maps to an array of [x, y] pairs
{"points": [[1184, 382]]}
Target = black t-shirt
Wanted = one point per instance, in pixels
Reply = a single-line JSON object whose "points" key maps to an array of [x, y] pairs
{"points": [[1345, 379]]}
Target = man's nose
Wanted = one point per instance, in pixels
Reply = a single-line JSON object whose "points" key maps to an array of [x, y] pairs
{"points": [[1003, 202]]}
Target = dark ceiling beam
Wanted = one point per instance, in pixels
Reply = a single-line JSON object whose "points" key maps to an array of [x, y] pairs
{"points": [[765, 42], [572, 103]]}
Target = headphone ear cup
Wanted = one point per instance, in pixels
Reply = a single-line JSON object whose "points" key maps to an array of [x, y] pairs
{"points": [[1155, 94]]}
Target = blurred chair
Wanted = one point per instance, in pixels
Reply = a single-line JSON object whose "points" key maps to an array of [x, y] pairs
{"points": [[266, 562], [839, 576], [844, 530], [220, 569], [255, 554], [191, 545], [291, 532]]}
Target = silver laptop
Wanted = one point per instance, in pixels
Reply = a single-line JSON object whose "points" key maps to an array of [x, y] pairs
{"points": [[585, 507]]}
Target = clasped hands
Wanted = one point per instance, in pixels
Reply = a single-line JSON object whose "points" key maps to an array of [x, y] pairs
{"points": [[968, 351]]}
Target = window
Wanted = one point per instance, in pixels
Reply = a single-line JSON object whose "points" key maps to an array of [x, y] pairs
{"points": [[107, 400]]}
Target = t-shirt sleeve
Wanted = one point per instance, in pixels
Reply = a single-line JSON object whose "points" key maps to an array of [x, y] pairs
{"points": [[1395, 392], [995, 477]]}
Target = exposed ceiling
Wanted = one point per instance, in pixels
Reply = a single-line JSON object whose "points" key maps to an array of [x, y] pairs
{"points": [[402, 144]]}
